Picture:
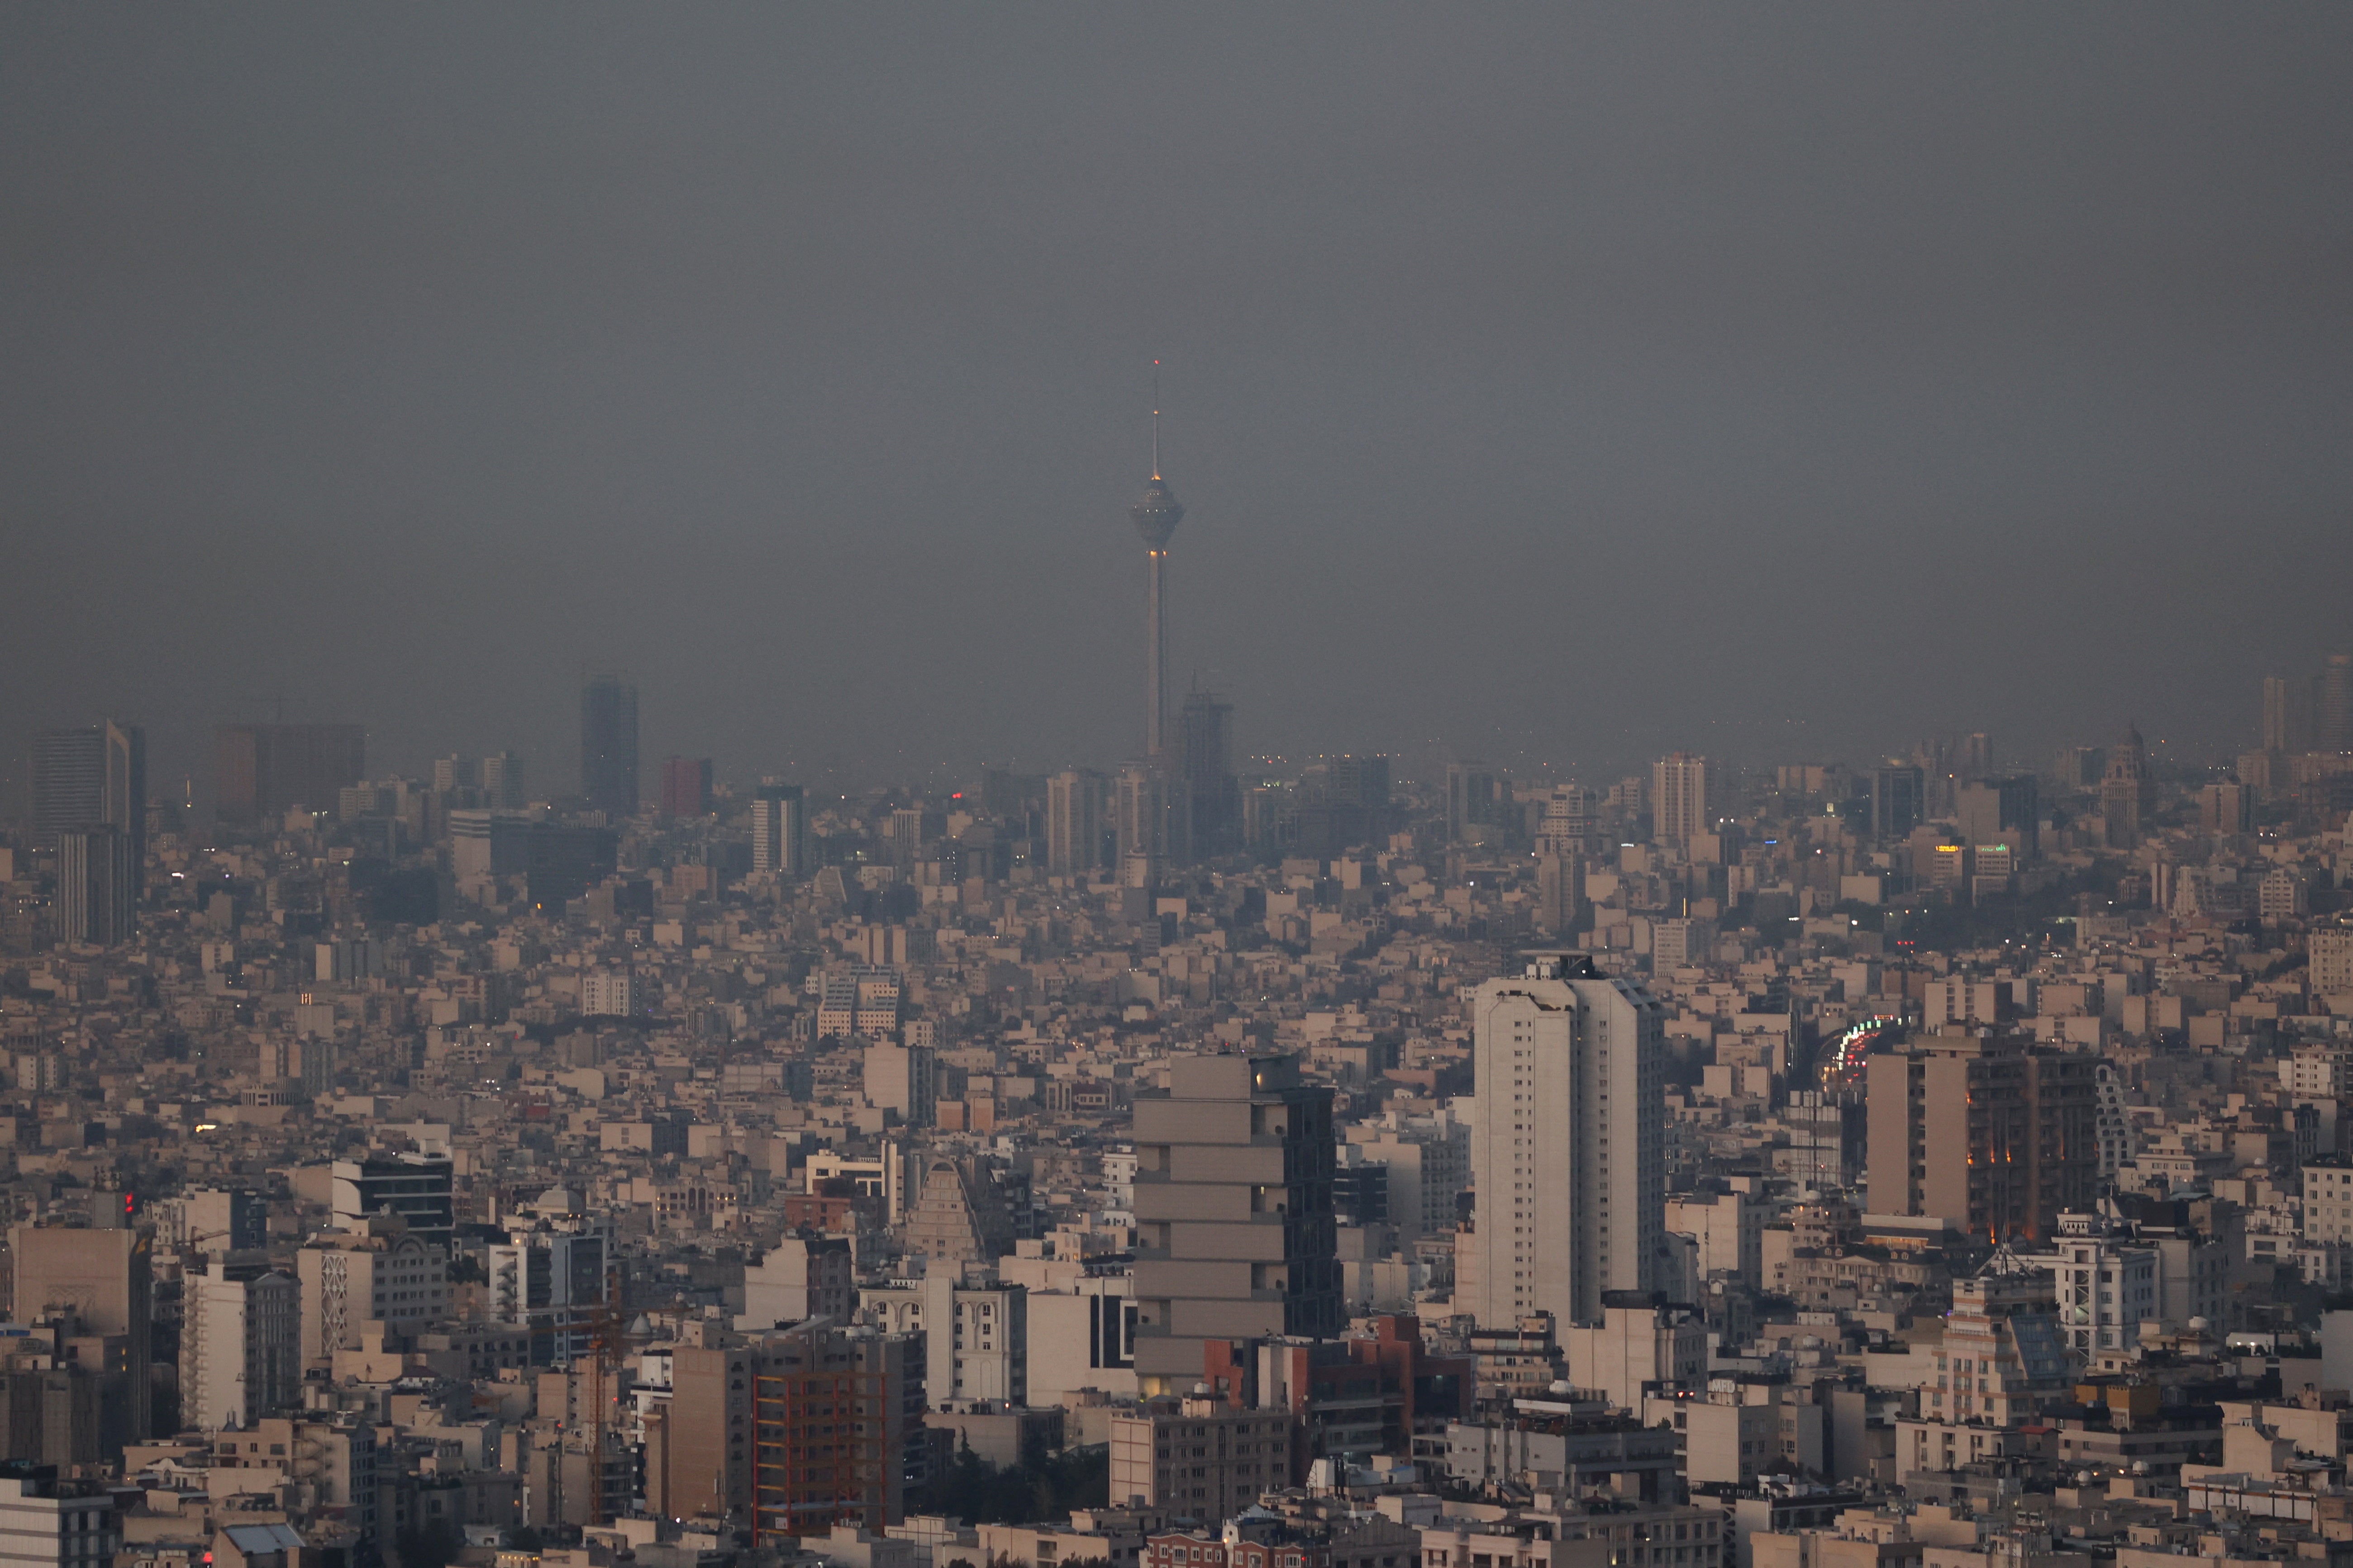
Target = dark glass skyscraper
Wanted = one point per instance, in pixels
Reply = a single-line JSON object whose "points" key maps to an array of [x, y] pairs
{"points": [[96, 774], [1897, 800], [608, 745], [69, 780], [1204, 759]]}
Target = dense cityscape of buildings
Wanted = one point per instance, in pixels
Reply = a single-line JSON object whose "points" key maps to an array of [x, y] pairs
{"points": [[1932, 1162]]}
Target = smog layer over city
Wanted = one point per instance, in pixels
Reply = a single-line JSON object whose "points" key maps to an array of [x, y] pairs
{"points": [[860, 786]]}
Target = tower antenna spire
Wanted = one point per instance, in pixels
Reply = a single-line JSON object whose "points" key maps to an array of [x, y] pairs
{"points": [[1157, 516]]}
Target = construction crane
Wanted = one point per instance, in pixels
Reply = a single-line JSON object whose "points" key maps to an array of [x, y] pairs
{"points": [[607, 1344], [601, 1326]]}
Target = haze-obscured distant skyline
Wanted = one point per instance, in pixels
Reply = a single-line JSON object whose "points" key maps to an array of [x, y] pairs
{"points": [[1542, 385]]}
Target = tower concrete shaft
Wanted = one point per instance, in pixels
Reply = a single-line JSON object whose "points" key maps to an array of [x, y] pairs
{"points": [[1156, 517], [1156, 634]]}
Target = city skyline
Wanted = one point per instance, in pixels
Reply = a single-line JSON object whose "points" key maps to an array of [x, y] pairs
{"points": [[1446, 363], [1711, 928], [2304, 725]]}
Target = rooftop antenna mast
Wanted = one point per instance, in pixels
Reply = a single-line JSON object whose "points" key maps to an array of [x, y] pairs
{"points": [[1155, 420]]}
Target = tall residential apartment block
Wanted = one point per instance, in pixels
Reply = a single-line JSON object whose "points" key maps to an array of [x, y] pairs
{"points": [[789, 1435], [609, 994], [241, 1346], [1678, 797], [1569, 1152], [2106, 1288], [1236, 1234], [1995, 1135], [780, 830]]}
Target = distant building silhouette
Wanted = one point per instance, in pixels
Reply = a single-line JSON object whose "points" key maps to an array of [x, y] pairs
{"points": [[89, 774], [69, 780], [2333, 712], [502, 787], [97, 885], [1678, 797], [1898, 801], [1473, 802], [686, 786], [608, 745], [1074, 822], [1205, 763], [266, 770], [2127, 792], [780, 830], [1146, 810], [1342, 802], [2279, 725], [1570, 827], [2002, 811]]}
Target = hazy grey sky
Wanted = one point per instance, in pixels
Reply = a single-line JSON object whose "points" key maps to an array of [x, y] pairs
{"points": [[1559, 383]]}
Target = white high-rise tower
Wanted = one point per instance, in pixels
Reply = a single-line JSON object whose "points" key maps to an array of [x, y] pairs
{"points": [[1569, 1148], [1678, 797], [780, 829]]}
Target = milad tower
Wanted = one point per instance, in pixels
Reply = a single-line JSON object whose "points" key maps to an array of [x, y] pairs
{"points": [[1157, 516]]}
